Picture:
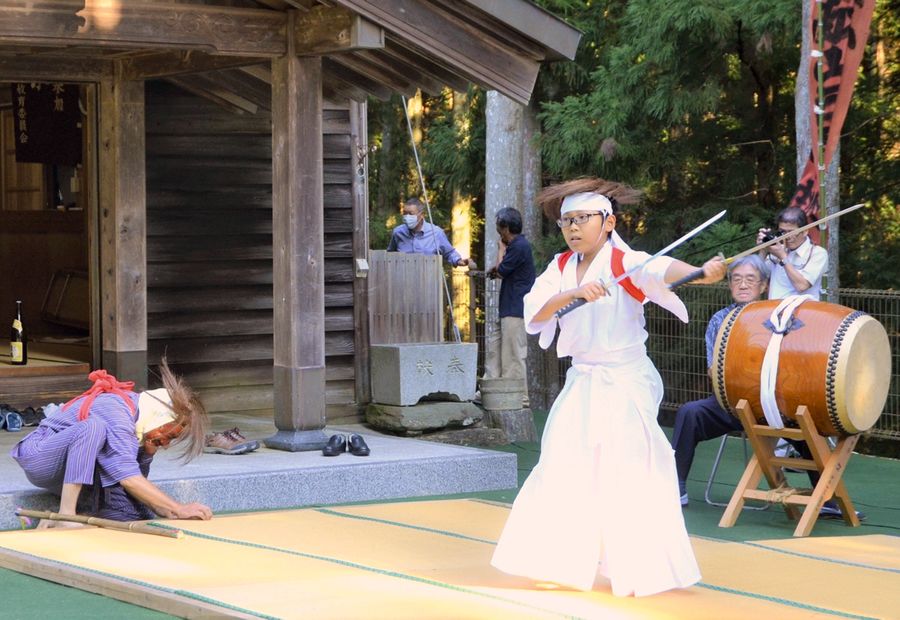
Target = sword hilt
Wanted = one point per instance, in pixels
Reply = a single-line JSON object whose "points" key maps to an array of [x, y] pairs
{"points": [[696, 275], [572, 306]]}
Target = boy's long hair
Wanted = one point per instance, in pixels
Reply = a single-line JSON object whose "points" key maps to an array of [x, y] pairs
{"points": [[550, 198], [189, 411]]}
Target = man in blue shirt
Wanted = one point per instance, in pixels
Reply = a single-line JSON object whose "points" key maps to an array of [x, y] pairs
{"points": [[416, 236], [515, 266]]}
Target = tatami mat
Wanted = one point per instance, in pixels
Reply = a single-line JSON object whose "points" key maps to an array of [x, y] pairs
{"points": [[431, 559]]}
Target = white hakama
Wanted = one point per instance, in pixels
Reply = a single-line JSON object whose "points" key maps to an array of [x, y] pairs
{"points": [[604, 494]]}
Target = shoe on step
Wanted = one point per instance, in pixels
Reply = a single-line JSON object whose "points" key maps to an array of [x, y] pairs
{"points": [[337, 444], [357, 446], [236, 434], [684, 500], [225, 443]]}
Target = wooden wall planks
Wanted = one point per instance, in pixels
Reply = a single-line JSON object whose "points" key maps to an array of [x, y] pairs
{"points": [[209, 251]]}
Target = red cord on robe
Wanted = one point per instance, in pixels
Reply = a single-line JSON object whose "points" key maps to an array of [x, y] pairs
{"points": [[104, 383]]}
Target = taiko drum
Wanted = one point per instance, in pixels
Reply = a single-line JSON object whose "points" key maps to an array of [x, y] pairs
{"points": [[834, 360]]}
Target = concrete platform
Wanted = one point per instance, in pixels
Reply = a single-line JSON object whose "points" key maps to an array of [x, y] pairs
{"points": [[269, 479]]}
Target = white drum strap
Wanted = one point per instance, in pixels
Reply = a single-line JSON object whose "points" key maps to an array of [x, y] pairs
{"points": [[780, 319]]}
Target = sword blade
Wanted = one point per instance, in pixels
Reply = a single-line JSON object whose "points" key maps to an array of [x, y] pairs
{"points": [[770, 242], [671, 246], [580, 302]]}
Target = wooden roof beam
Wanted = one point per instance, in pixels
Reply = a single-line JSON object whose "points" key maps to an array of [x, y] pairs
{"points": [[210, 91], [326, 30], [168, 63], [137, 24], [33, 68], [336, 89], [558, 38], [382, 74], [464, 49], [364, 82], [249, 87], [425, 65]]}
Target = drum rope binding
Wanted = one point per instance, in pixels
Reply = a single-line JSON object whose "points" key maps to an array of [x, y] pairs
{"points": [[781, 319], [783, 491]]}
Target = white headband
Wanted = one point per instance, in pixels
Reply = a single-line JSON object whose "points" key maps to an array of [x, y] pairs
{"points": [[154, 410], [586, 201], [592, 201]]}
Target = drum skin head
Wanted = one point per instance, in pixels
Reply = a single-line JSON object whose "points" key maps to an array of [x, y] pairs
{"points": [[862, 375]]}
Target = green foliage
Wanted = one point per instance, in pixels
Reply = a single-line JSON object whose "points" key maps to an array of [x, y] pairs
{"points": [[690, 100], [451, 151]]}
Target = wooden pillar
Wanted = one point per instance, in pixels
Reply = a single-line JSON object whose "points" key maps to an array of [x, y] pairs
{"points": [[123, 226], [359, 144], [298, 247]]}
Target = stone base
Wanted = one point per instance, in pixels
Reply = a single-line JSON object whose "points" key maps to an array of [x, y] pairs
{"points": [[423, 417], [502, 394], [403, 374], [480, 436], [517, 424], [297, 441]]}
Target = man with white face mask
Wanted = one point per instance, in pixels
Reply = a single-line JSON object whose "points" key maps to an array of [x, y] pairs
{"points": [[416, 236]]}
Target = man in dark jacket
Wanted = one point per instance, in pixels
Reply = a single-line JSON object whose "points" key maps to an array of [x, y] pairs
{"points": [[507, 346]]}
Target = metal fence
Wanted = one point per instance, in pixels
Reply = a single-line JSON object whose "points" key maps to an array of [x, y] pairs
{"points": [[677, 350]]}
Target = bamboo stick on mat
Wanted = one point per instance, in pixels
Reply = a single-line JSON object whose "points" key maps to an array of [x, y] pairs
{"points": [[124, 526]]}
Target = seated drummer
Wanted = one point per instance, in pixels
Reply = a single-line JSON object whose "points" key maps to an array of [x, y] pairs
{"points": [[107, 438], [704, 419]]}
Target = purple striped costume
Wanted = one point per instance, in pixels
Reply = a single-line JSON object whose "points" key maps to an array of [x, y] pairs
{"points": [[99, 451]]}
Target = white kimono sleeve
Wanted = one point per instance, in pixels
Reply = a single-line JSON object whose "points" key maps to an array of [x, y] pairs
{"points": [[652, 280], [545, 286]]}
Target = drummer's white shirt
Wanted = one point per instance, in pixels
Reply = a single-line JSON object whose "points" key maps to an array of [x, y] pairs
{"points": [[811, 261], [609, 325]]}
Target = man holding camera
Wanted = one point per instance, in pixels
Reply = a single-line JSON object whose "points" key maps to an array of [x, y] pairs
{"points": [[797, 264]]}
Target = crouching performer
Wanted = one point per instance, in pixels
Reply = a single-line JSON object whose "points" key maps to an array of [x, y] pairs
{"points": [[604, 494], [107, 438]]}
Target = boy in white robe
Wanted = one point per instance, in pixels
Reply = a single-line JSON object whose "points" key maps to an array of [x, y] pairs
{"points": [[604, 493]]}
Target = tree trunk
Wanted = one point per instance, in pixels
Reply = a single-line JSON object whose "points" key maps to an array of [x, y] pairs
{"points": [[461, 231], [503, 188], [533, 228]]}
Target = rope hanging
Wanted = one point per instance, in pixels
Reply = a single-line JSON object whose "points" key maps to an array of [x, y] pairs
{"points": [[412, 140]]}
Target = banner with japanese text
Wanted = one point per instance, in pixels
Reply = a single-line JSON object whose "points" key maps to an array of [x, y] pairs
{"points": [[846, 30], [47, 123]]}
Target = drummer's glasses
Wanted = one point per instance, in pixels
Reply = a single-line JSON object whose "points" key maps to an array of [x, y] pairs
{"points": [[748, 280], [566, 222]]}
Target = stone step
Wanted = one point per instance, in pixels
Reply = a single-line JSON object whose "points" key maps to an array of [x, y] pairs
{"points": [[272, 479]]}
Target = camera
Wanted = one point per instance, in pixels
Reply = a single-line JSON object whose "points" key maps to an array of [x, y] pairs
{"points": [[771, 234]]}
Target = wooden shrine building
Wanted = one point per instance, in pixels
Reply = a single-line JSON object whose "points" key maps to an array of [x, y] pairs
{"points": [[219, 207]]}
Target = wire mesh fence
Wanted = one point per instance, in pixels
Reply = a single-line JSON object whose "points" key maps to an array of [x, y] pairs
{"points": [[678, 350]]}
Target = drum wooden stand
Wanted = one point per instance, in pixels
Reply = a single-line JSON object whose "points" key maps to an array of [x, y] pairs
{"points": [[830, 465]]}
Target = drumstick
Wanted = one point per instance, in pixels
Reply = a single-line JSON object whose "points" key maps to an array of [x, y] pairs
{"points": [[123, 526]]}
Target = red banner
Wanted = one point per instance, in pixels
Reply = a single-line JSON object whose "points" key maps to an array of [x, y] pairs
{"points": [[846, 30]]}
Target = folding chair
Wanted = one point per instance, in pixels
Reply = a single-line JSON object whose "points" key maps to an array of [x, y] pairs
{"points": [[715, 468]]}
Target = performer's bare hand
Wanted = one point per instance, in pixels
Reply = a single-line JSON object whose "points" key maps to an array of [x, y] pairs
{"points": [[714, 270], [44, 524], [592, 291], [193, 510]]}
